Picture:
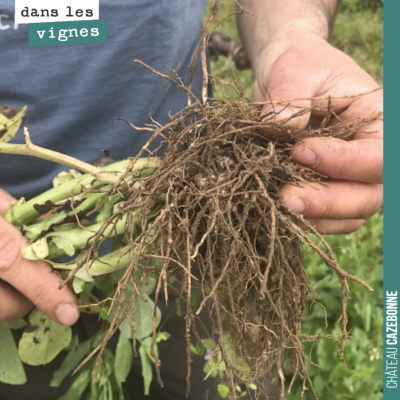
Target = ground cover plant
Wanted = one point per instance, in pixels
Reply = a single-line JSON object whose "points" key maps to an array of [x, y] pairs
{"points": [[208, 214]]}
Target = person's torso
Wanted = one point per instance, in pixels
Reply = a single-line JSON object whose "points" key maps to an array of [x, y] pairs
{"points": [[74, 92]]}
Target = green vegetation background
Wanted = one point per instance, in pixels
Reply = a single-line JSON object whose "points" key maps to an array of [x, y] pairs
{"points": [[358, 32]]}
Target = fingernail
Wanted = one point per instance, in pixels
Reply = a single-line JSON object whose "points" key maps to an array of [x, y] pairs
{"points": [[306, 156], [67, 314], [297, 204]]}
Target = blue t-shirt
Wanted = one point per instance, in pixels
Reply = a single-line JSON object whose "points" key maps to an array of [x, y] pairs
{"points": [[74, 92]]}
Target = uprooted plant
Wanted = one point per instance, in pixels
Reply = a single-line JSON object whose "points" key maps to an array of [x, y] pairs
{"points": [[207, 213]]}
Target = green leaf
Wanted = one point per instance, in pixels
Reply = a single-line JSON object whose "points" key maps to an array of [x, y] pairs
{"points": [[105, 282], [105, 308], [209, 343], [146, 358], [11, 368], [148, 285], [146, 344], [178, 307], [78, 386], [123, 358], [210, 366], [65, 176], [223, 391], [364, 310], [73, 344], [162, 336], [88, 302], [199, 351], [17, 324], [78, 285], [195, 299], [221, 369], [147, 372], [106, 368], [233, 357], [326, 355], [105, 212], [125, 329], [10, 120], [36, 251], [43, 339], [32, 232], [63, 242], [318, 383], [103, 389], [367, 318], [106, 392], [359, 341], [72, 360], [144, 317]]}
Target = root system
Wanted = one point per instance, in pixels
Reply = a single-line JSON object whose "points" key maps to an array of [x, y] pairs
{"points": [[225, 229]]}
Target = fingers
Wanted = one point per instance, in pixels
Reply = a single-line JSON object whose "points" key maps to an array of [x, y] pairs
{"points": [[337, 200], [333, 227], [13, 305], [291, 67], [284, 90], [364, 107], [34, 279], [356, 160]]}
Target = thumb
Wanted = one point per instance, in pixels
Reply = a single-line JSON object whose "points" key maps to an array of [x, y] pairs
{"points": [[280, 95], [34, 279]]}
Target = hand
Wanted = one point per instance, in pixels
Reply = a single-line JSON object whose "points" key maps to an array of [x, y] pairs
{"points": [[301, 64], [25, 284]]}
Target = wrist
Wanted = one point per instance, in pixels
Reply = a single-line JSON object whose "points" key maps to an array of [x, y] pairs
{"points": [[317, 26], [291, 30], [273, 19]]}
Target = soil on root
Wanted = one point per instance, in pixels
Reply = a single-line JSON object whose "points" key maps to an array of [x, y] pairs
{"points": [[225, 230], [224, 217], [222, 176]]}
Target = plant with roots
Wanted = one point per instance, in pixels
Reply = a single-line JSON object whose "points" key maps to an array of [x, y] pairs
{"points": [[206, 213]]}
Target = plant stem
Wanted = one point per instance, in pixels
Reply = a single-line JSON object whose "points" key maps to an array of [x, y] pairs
{"points": [[39, 152], [88, 202], [29, 149], [115, 261], [80, 238], [104, 265], [24, 213]]}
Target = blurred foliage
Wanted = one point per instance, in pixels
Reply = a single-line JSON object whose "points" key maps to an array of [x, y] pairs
{"points": [[220, 67], [354, 6], [360, 254], [358, 31]]}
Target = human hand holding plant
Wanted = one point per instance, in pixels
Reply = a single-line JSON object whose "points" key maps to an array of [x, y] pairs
{"points": [[178, 213], [295, 61], [25, 283]]}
